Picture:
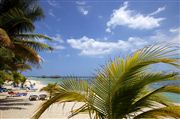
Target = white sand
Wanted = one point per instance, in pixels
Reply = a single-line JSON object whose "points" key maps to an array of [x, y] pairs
{"points": [[22, 108]]}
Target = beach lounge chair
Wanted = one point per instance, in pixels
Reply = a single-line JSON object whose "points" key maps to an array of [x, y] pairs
{"points": [[42, 97], [33, 97]]}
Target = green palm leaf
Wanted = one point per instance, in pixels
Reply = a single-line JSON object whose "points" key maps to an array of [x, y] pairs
{"points": [[166, 112], [37, 46], [69, 92], [15, 21], [33, 36], [26, 52], [121, 88]]}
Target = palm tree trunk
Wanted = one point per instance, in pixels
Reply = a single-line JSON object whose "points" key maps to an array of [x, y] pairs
{"points": [[50, 95]]}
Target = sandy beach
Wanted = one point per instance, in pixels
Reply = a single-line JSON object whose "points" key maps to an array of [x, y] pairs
{"points": [[22, 108], [18, 108]]}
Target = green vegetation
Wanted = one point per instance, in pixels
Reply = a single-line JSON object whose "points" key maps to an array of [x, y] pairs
{"points": [[19, 44], [51, 88], [121, 88]]}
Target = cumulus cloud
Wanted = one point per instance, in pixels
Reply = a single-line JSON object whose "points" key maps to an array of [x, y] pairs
{"points": [[93, 47], [132, 19], [83, 11], [171, 36], [157, 11], [82, 8]]}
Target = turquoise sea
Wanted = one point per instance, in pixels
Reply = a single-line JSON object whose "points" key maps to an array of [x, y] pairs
{"points": [[174, 97]]}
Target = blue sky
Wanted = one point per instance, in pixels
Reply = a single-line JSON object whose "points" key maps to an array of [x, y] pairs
{"points": [[88, 33]]}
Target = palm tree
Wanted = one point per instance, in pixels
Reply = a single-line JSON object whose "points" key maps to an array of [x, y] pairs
{"points": [[51, 88], [19, 44], [8, 61], [17, 19], [122, 88], [18, 79], [4, 76]]}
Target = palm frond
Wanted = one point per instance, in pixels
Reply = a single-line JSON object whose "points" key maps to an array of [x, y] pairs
{"points": [[33, 36], [35, 13], [166, 112], [121, 88], [149, 97], [22, 67], [37, 46], [15, 21], [70, 90], [4, 38], [26, 52]]}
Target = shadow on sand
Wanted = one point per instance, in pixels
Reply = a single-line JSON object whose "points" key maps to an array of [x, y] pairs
{"points": [[14, 104]]}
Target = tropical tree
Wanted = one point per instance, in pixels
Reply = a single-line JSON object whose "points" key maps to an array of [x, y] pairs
{"points": [[18, 79], [52, 89], [122, 88], [4, 76], [17, 19], [19, 44]]}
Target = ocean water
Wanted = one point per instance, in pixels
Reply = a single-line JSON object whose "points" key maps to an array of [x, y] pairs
{"points": [[174, 97], [46, 81]]}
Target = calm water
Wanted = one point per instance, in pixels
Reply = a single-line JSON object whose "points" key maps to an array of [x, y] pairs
{"points": [[171, 96]]}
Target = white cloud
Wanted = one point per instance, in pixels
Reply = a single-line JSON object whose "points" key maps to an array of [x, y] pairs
{"points": [[176, 38], [93, 47], [132, 19], [57, 42], [157, 11], [50, 12], [171, 36], [82, 8], [58, 46], [83, 11], [175, 30], [80, 2], [57, 38], [52, 3]]}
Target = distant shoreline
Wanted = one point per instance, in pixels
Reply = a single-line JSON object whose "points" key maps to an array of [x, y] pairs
{"points": [[64, 77]]}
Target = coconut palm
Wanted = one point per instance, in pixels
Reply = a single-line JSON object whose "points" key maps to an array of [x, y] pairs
{"points": [[18, 79], [4, 38], [122, 89], [51, 88], [8, 61], [4, 76], [17, 19], [19, 44]]}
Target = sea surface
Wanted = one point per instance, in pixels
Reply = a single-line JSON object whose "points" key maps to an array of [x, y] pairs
{"points": [[174, 97]]}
